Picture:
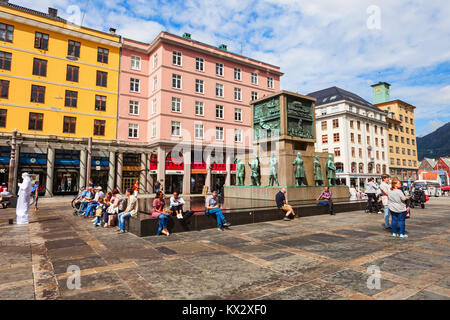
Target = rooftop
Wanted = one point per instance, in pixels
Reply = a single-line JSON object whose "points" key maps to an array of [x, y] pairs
{"points": [[334, 94]]}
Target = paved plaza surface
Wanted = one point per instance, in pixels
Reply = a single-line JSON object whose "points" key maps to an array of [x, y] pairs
{"points": [[319, 257]]}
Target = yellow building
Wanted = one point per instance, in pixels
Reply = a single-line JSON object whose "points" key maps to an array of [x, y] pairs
{"points": [[56, 78], [401, 133]]}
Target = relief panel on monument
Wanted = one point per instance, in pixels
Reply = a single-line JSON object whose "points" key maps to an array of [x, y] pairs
{"points": [[266, 119], [300, 118]]}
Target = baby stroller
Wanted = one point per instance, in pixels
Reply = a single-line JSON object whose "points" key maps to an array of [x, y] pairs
{"points": [[374, 204], [418, 199]]}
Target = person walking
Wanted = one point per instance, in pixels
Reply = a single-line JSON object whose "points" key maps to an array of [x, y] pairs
{"points": [[326, 197], [371, 191], [397, 208], [35, 195], [384, 187], [280, 199]]}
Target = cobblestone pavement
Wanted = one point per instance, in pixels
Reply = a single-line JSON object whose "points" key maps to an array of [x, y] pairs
{"points": [[320, 257]]}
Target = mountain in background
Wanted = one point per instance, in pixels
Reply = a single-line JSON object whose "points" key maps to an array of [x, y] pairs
{"points": [[435, 144]]}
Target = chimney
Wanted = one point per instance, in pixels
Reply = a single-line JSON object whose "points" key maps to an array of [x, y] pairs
{"points": [[112, 30], [52, 12]]}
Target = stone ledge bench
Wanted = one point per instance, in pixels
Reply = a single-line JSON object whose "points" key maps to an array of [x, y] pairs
{"points": [[144, 225]]}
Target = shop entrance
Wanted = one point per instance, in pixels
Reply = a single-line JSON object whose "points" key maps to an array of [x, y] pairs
{"points": [[65, 181], [129, 178], [174, 182], [217, 181], [100, 178], [197, 182]]}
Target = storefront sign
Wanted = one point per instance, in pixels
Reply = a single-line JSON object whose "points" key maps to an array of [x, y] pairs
{"points": [[131, 168], [174, 164], [68, 162], [218, 168], [198, 168], [26, 160], [104, 163], [4, 159], [174, 171]]}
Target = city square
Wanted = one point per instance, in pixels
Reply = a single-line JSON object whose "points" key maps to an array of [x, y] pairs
{"points": [[313, 258]]}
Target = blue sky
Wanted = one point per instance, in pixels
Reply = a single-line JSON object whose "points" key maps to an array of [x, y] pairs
{"points": [[350, 43]]}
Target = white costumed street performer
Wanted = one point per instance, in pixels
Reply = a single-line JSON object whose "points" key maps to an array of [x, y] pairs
{"points": [[23, 202]]}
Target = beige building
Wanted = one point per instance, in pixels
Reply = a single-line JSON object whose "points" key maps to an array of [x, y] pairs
{"points": [[402, 147]]}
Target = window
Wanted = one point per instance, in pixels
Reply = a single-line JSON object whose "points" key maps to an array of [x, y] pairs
{"points": [[353, 153], [382, 143], [219, 90], [102, 55], [238, 94], [397, 149], [155, 60], [153, 129], [176, 81], [254, 78], [401, 118], [404, 162], [368, 139], [176, 58], [135, 63], [99, 127], [199, 109], [335, 123], [199, 64], [367, 127], [198, 131], [133, 130], [401, 128], [199, 86], [407, 140], [134, 108], [135, 85], [69, 124], [381, 130], [3, 113], [219, 133], [102, 78], [398, 161], [154, 106], [377, 154], [376, 142], [336, 137], [358, 125], [35, 121], [392, 161], [412, 131], [352, 137], [391, 149], [71, 99], [237, 135], [237, 74], [351, 124], [390, 137], [6, 32], [219, 69], [270, 82], [100, 103], [396, 138], [382, 155], [413, 142], [325, 139], [402, 139], [219, 112], [41, 41], [74, 49], [411, 120], [5, 60], [237, 114], [406, 119], [4, 89], [359, 138], [337, 152], [176, 104], [360, 152], [254, 95], [155, 83], [324, 125], [409, 152], [72, 73], [37, 94], [376, 129], [414, 152], [176, 128]]}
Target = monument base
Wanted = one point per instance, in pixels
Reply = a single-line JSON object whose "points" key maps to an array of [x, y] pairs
{"points": [[307, 194]]}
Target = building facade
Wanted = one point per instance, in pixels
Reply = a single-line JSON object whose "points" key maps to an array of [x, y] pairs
{"points": [[354, 132], [403, 161], [59, 85], [188, 102]]}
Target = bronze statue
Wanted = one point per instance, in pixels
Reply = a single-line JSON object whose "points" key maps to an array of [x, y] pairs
{"points": [[330, 168], [273, 177], [299, 171], [240, 172], [318, 176], [255, 175]]}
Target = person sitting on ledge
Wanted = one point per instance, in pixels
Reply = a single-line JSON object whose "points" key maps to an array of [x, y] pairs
{"points": [[280, 199], [159, 212], [176, 205], [325, 196], [212, 207], [131, 210]]}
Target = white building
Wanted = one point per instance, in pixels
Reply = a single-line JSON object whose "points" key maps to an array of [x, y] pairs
{"points": [[355, 132]]}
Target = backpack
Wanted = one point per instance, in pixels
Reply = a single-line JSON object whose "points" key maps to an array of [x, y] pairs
{"points": [[99, 211], [123, 204]]}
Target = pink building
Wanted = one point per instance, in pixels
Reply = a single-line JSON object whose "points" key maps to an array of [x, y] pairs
{"points": [[184, 94]]}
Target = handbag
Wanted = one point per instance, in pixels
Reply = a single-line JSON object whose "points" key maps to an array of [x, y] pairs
{"points": [[408, 213]]}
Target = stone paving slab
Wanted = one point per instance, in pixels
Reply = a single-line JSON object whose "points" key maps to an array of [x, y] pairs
{"points": [[315, 257]]}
